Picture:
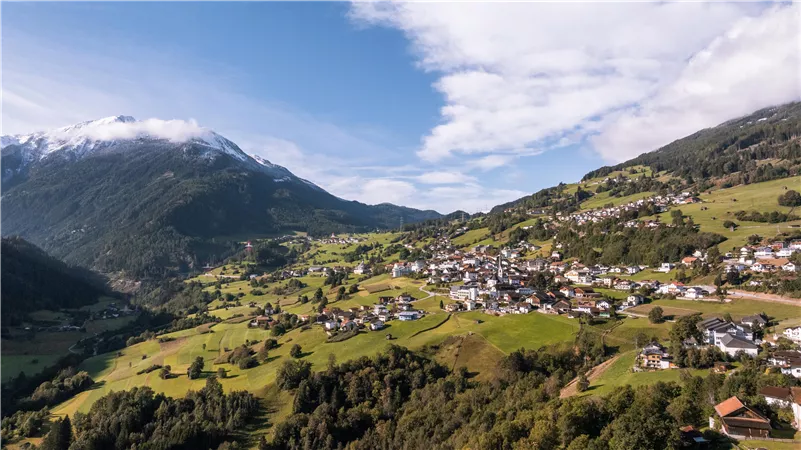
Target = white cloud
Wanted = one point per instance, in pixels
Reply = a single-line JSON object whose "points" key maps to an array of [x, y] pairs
{"points": [[520, 78], [755, 64], [444, 177], [110, 128]]}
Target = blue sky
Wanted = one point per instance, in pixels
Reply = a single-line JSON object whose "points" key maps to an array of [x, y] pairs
{"points": [[440, 106]]}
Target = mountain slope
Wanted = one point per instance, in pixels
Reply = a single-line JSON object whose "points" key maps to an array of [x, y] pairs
{"points": [[33, 280], [762, 146], [115, 195]]}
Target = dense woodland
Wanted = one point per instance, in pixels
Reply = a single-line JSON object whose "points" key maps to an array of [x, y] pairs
{"points": [[33, 280]]}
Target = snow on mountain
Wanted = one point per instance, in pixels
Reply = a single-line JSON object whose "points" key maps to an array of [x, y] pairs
{"points": [[85, 138]]}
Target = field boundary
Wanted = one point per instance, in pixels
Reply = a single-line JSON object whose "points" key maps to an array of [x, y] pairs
{"points": [[431, 327]]}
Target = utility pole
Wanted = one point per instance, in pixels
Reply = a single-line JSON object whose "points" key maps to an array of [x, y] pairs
{"points": [[401, 224]]}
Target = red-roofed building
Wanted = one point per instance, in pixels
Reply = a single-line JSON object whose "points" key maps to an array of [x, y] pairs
{"points": [[738, 421]]}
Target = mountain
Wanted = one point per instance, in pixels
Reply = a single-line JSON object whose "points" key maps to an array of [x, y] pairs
{"points": [[153, 197], [761, 146], [34, 280]]}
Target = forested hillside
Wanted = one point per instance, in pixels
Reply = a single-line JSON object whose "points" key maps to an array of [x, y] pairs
{"points": [[152, 207], [33, 280], [759, 147]]}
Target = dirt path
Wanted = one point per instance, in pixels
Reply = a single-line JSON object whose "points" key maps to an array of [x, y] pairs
{"points": [[761, 297], [571, 388]]}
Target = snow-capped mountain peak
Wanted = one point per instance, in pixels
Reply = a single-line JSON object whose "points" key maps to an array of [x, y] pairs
{"points": [[84, 138]]}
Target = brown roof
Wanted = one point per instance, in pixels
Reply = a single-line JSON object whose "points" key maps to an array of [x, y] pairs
{"points": [[743, 422], [728, 406], [775, 392], [796, 395]]}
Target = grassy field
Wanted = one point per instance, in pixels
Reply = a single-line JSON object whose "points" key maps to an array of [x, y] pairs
{"points": [[470, 238], [12, 365], [620, 374], [720, 205], [603, 199], [738, 308], [492, 337]]}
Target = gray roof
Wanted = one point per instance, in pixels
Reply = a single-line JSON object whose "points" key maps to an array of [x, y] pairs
{"points": [[735, 342]]}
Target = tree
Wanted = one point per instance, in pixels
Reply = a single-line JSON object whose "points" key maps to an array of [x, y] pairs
{"points": [[164, 373], [204, 346], [583, 383], [296, 351], [291, 373], [655, 315], [441, 304], [341, 293], [196, 369], [790, 198], [318, 294], [322, 305], [264, 353], [221, 373], [59, 437], [677, 218]]}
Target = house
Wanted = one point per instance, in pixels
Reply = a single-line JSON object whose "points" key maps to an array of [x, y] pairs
{"points": [[731, 345], [777, 396], [784, 397], [586, 293], [453, 307], [665, 267], [361, 269], [400, 270], [654, 356], [260, 321], [739, 421], [633, 300], [603, 304], [789, 267], [688, 260], [755, 321], [793, 333], [331, 325], [567, 291], [631, 270], [408, 315], [560, 306], [788, 361], [695, 293], [376, 325]]}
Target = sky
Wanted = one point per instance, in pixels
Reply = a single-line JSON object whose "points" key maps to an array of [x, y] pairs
{"points": [[440, 106]]}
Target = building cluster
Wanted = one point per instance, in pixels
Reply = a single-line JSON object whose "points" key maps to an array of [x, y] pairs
{"points": [[659, 203], [764, 259], [373, 317], [340, 240]]}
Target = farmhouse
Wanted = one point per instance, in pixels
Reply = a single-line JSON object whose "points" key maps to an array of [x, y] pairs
{"points": [[739, 421]]}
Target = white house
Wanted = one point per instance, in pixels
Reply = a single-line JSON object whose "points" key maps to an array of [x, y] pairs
{"points": [[633, 300], [789, 267], [665, 267], [376, 325], [793, 333]]}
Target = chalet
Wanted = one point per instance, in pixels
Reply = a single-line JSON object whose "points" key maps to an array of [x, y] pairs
{"points": [[739, 421], [665, 267], [567, 291], [632, 270], [789, 267], [559, 307], [376, 325], [586, 293], [585, 306], [688, 260], [654, 356], [260, 321], [695, 293]]}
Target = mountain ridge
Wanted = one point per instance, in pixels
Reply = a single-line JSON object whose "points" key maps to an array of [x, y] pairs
{"points": [[147, 205]]}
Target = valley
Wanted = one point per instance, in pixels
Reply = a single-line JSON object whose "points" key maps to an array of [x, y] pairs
{"points": [[638, 281]]}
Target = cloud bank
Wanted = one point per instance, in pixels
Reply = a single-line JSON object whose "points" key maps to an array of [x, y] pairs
{"points": [[519, 79]]}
